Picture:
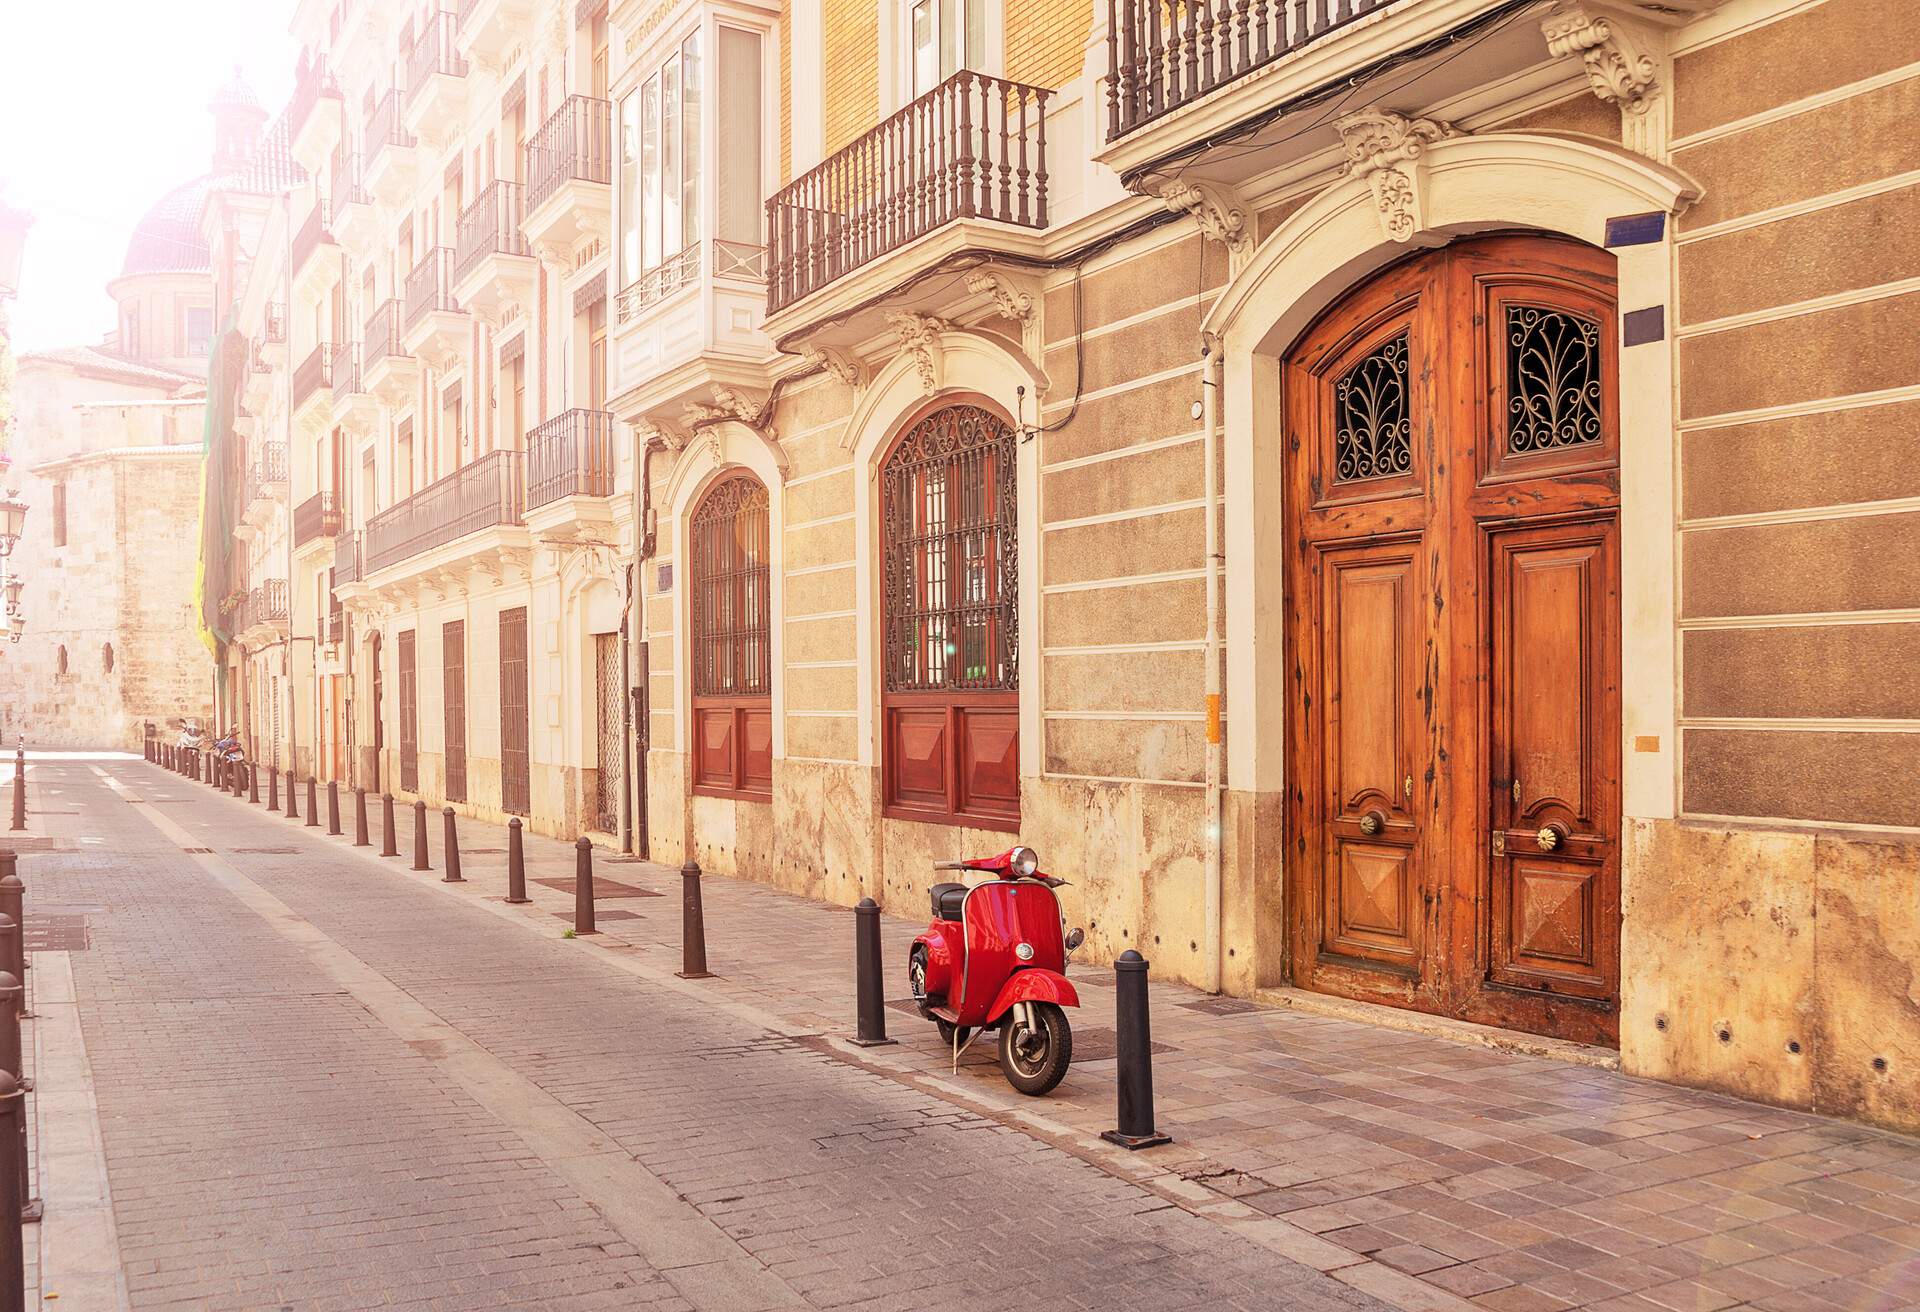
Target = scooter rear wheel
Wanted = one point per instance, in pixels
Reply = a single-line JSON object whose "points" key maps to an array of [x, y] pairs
{"points": [[1035, 1060]]}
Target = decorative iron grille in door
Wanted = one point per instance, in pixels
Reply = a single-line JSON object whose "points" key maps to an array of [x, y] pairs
{"points": [[516, 788], [409, 717], [612, 774], [453, 664]]}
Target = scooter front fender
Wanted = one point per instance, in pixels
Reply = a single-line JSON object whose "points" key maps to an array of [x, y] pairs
{"points": [[1034, 985]]}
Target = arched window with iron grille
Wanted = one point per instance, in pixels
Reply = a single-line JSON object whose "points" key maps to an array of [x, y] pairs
{"points": [[950, 557], [732, 640]]}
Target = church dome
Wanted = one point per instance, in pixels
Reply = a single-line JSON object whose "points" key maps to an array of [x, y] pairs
{"points": [[168, 239]]}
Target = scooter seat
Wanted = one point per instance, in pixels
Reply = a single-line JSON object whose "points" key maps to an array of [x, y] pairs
{"points": [[947, 901]]}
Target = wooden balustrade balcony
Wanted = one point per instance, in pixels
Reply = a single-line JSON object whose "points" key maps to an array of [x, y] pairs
{"points": [[974, 147], [484, 494], [571, 455], [315, 519], [1166, 54], [570, 173]]}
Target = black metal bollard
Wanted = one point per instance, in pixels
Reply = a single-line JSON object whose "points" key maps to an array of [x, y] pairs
{"points": [[388, 847], [313, 804], [20, 790], [583, 887], [273, 789], [360, 818], [10, 952], [1134, 1040], [516, 865], [13, 1200], [293, 800], [333, 807], [420, 836], [872, 1005], [693, 926], [11, 994], [13, 905], [253, 783], [452, 841]]}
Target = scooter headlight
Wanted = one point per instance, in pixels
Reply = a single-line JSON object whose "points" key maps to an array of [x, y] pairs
{"points": [[1025, 862]]}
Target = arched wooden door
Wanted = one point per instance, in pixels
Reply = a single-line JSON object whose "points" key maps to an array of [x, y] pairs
{"points": [[1452, 505]]}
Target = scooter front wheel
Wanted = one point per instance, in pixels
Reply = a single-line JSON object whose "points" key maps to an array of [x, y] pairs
{"points": [[1035, 1058]]}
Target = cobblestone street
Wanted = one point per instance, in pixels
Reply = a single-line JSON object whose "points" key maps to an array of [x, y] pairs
{"points": [[325, 1085]]}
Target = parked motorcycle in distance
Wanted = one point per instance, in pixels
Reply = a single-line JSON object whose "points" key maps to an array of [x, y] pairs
{"points": [[191, 740], [995, 958]]}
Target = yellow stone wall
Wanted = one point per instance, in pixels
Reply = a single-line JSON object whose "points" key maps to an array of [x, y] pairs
{"points": [[850, 33], [1045, 40]]}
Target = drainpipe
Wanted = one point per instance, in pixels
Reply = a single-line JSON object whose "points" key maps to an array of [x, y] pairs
{"points": [[1209, 423]]}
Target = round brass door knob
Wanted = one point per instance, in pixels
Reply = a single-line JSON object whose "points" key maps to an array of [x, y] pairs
{"points": [[1371, 823], [1550, 836]]}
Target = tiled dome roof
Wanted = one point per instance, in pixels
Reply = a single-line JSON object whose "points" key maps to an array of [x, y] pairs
{"points": [[236, 94], [168, 239]]}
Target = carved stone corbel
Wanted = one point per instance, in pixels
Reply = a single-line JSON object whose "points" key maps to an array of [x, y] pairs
{"points": [[920, 341], [1012, 301], [747, 411], [1624, 60], [1384, 149], [652, 429], [840, 364], [1221, 214]]}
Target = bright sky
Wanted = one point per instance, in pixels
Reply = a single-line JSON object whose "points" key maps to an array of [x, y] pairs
{"points": [[104, 107]]}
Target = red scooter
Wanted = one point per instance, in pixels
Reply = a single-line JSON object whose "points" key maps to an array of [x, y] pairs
{"points": [[995, 957]]}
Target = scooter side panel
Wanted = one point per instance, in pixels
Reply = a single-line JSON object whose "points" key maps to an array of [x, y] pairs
{"points": [[999, 917]]}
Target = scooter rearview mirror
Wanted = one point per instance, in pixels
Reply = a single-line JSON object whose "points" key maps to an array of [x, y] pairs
{"points": [[1075, 937]]}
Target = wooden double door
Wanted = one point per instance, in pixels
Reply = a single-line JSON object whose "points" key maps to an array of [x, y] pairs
{"points": [[1452, 505]]}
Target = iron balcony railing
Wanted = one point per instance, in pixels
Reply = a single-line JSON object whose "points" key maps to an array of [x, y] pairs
{"points": [[316, 517], [270, 466], [1164, 54], [574, 145], [346, 369], [436, 52], [489, 226], [974, 147], [313, 234], [276, 331], [481, 495], [383, 333], [571, 455], [346, 558], [313, 373], [346, 174], [336, 623], [385, 127], [430, 286], [266, 604], [257, 361], [730, 259], [315, 85]]}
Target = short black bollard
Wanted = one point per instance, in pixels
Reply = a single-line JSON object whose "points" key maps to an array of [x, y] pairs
{"points": [[1134, 1041], [451, 837], [333, 807], [872, 1006], [273, 789], [20, 790], [293, 799], [13, 905], [10, 1062], [10, 953], [583, 887], [693, 926], [420, 836], [516, 865], [360, 818], [253, 783], [388, 847], [313, 804], [13, 1199]]}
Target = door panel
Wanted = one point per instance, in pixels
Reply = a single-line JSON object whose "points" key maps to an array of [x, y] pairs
{"points": [[516, 766], [453, 684], [1453, 634]]}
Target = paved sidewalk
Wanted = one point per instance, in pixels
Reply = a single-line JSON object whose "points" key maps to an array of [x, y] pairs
{"points": [[327, 1084], [1516, 1183]]}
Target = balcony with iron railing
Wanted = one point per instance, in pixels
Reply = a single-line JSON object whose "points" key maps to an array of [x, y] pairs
{"points": [[316, 259], [346, 558], [353, 220], [266, 606], [273, 334], [435, 328], [313, 115], [489, 29], [388, 150], [570, 455], [313, 386], [570, 173], [727, 262], [436, 79], [387, 368], [493, 265], [972, 149], [266, 479], [485, 494], [356, 410], [317, 519]]}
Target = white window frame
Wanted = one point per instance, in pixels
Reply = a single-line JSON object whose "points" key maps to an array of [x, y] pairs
{"points": [[896, 29]]}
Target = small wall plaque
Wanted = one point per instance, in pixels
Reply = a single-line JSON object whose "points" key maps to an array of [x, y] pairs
{"points": [[1636, 229]]}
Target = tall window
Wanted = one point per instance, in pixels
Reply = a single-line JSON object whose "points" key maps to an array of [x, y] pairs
{"points": [[199, 330], [948, 35], [732, 645], [60, 513], [951, 705], [597, 355]]}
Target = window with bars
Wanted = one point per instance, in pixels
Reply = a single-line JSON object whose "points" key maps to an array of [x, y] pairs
{"points": [[950, 556], [732, 639]]}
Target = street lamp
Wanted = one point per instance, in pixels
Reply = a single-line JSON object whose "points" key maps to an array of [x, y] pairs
{"points": [[13, 518]]}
